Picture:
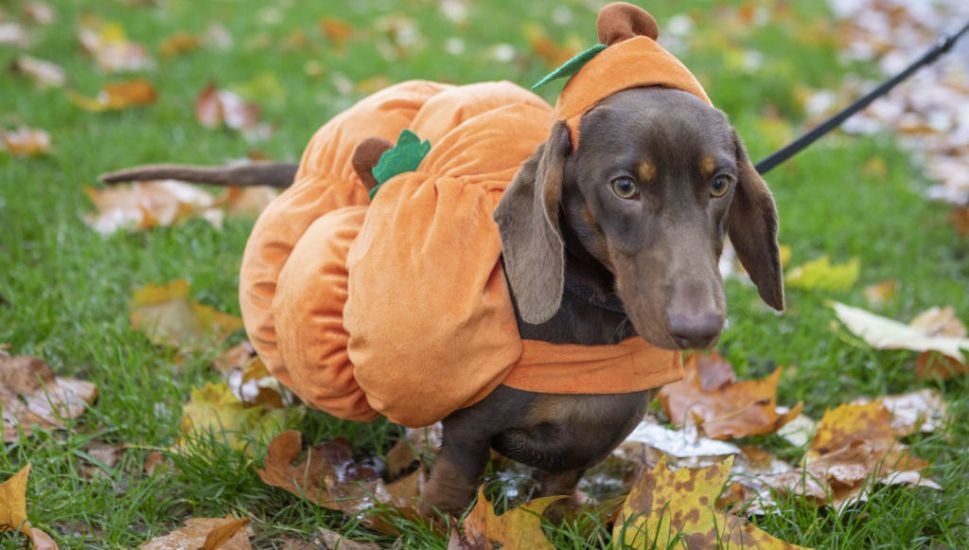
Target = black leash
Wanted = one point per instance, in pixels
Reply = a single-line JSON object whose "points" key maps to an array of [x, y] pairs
{"points": [[944, 44]]}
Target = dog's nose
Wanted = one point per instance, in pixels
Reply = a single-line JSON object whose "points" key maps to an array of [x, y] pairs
{"points": [[694, 330]]}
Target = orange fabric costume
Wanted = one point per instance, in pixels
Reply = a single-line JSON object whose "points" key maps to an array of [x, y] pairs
{"points": [[399, 306]]}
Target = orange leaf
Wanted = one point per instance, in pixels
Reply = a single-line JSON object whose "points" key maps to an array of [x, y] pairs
{"points": [[26, 141], [118, 96], [517, 528], [337, 31], [226, 533], [180, 43], [728, 410]]}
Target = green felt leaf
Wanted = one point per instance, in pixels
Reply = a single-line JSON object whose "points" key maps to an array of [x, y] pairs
{"points": [[571, 66], [406, 156]]}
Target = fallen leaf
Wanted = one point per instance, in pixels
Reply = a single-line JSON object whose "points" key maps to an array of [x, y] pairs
{"points": [[215, 107], [937, 321], [226, 533], [959, 216], [213, 409], [32, 396], [932, 365], [26, 142], [922, 410], [39, 12], [649, 442], [100, 457], [396, 36], [799, 430], [107, 43], [45, 74], [327, 476], [883, 333], [144, 205], [13, 511], [331, 539], [418, 446], [13, 503], [13, 34], [879, 293], [247, 201], [547, 49], [821, 274], [167, 317], [519, 527], [180, 43], [669, 507], [118, 96], [336, 31], [732, 409]]}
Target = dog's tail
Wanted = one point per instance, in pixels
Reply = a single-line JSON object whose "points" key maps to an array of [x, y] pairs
{"points": [[274, 174]]}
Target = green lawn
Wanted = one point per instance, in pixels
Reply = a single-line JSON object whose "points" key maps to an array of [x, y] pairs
{"points": [[65, 288]]}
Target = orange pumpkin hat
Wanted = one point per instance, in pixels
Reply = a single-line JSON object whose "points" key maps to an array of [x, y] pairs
{"points": [[398, 305]]}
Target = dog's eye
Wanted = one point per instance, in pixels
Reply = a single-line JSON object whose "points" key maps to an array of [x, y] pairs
{"points": [[625, 188], [720, 185]]}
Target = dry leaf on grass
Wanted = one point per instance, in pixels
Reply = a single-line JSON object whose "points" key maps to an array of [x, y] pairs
{"points": [[39, 12], [31, 396], [418, 446], [107, 43], [215, 107], [13, 510], [327, 475], [13, 34], [213, 409], [117, 96], [667, 505], [922, 410], [879, 293], [934, 330], [180, 43], [821, 274], [167, 317], [722, 408], [336, 31], [226, 533], [25, 142], [144, 205], [519, 527], [45, 74], [546, 48], [649, 442]]}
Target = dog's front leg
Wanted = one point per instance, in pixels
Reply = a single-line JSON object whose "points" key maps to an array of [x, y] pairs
{"points": [[558, 483], [457, 469]]}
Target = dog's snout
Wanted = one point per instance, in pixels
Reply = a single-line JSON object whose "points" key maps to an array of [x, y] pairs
{"points": [[698, 330]]}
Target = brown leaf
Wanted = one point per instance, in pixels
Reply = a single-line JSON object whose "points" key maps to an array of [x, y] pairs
{"points": [[226, 533], [215, 107], [959, 216], [118, 96], [327, 476], [666, 506], [931, 365], [235, 357], [30, 395], [922, 410], [144, 205], [517, 528], [248, 201], [180, 43], [26, 142], [167, 317], [45, 74], [39, 12], [336, 31], [547, 49], [879, 293], [733, 409], [418, 445]]}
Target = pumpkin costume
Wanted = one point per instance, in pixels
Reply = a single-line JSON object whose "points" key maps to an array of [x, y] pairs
{"points": [[398, 306]]}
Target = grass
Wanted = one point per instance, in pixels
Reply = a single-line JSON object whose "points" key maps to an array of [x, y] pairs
{"points": [[65, 288]]}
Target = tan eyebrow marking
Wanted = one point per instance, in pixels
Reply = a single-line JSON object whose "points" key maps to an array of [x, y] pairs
{"points": [[707, 166], [647, 171]]}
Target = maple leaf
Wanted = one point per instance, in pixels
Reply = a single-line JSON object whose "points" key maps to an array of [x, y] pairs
{"points": [[30, 395], [821, 274], [13, 510], [226, 533], [936, 330], [167, 317], [26, 142], [213, 409], [519, 527], [669, 508], [724, 409], [117, 96]]}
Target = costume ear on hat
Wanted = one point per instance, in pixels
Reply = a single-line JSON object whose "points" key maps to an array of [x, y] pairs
{"points": [[627, 57]]}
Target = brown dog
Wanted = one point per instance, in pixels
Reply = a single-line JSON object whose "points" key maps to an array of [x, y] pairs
{"points": [[619, 237]]}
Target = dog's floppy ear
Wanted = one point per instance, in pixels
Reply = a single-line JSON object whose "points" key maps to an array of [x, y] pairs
{"points": [[528, 220], [752, 226]]}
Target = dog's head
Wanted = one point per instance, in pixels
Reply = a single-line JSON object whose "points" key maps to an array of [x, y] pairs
{"points": [[657, 180]]}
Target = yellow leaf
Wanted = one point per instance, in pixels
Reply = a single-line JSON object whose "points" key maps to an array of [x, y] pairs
{"points": [[821, 274], [879, 293], [517, 528], [673, 509], [13, 503], [214, 409], [117, 96], [167, 317]]}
